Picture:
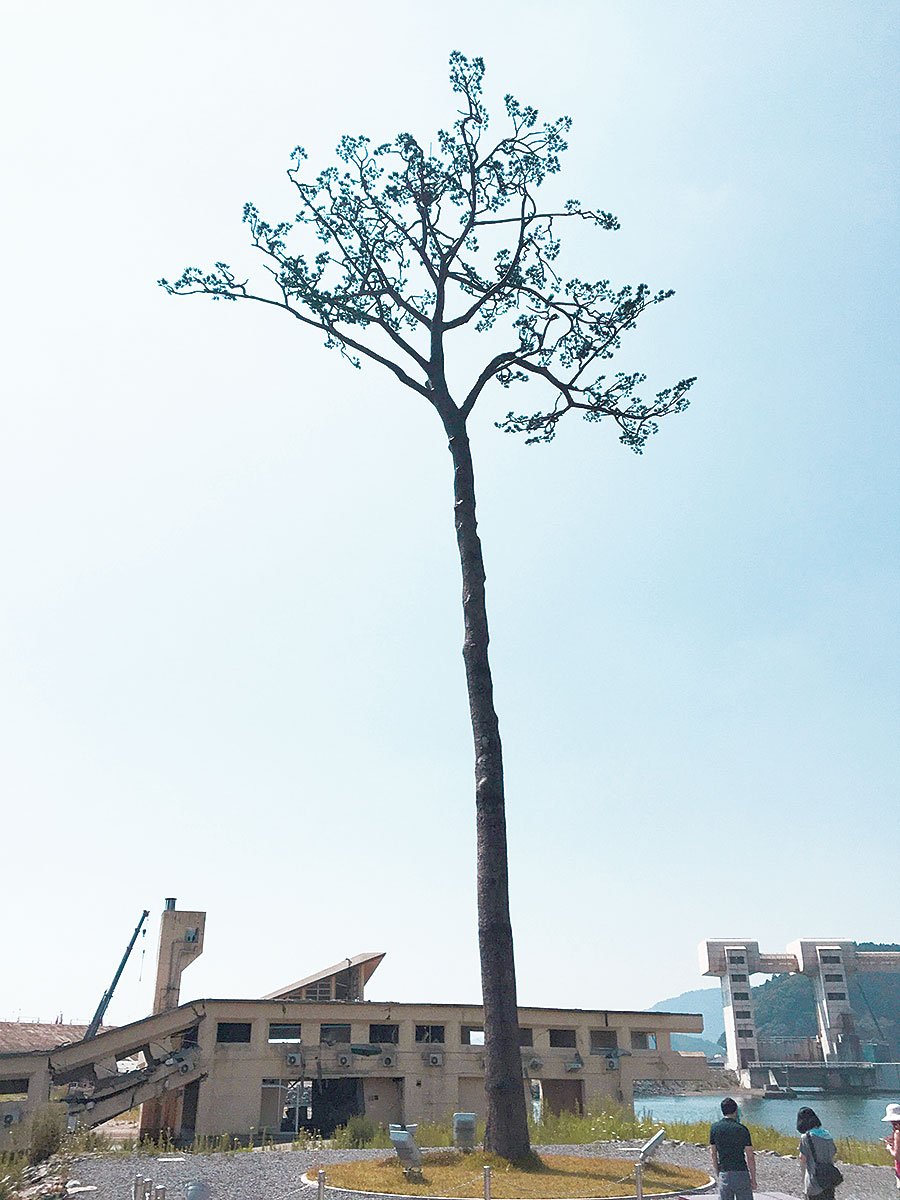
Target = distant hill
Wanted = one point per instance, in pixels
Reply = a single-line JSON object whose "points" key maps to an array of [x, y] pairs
{"points": [[784, 1004], [706, 1001]]}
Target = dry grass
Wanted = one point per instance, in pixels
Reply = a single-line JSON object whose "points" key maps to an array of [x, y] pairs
{"points": [[450, 1173]]}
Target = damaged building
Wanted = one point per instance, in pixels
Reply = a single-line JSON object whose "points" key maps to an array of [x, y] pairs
{"points": [[316, 1052]]}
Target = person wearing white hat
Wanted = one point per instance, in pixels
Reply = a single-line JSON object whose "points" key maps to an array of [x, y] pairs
{"points": [[892, 1116]]}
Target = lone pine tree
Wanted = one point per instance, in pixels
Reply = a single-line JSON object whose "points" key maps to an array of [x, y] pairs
{"points": [[413, 247]]}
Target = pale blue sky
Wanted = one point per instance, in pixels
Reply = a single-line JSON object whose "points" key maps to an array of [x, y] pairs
{"points": [[231, 631]]}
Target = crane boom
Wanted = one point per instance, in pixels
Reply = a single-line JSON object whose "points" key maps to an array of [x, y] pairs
{"points": [[108, 994]]}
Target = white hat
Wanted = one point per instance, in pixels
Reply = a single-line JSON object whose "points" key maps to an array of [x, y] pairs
{"points": [[892, 1113]]}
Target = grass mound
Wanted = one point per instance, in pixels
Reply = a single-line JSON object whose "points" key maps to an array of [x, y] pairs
{"points": [[449, 1173]]}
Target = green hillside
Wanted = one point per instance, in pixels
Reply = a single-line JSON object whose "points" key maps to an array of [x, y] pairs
{"points": [[784, 1005]]}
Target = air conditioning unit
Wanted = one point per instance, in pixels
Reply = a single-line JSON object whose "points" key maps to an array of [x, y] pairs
{"points": [[344, 1060], [434, 1058], [389, 1060], [535, 1065], [294, 1059], [611, 1062]]}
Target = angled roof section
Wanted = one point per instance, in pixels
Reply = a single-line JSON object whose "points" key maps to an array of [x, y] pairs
{"points": [[346, 980]]}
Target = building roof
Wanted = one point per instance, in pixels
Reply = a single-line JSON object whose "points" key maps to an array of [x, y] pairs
{"points": [[366, 962], [18, 1037]]}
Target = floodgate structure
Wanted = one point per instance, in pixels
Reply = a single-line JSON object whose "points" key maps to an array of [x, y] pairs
{"points": [[835, 1058], [315, 1053]]}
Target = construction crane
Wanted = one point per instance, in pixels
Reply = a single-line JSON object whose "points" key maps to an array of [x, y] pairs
{"points": [[108, 994]]}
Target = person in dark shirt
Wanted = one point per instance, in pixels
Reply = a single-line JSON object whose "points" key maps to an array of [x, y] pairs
{"points": [[733, 1161]]}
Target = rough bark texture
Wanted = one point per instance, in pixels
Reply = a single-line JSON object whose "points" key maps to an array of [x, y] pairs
{"points": [[507, 1127]]}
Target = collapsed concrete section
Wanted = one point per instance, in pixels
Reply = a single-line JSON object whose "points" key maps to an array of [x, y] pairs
{"points": [[314, 1053]]}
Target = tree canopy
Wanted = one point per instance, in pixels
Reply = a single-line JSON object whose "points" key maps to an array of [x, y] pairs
{"points": [[416, 244]]}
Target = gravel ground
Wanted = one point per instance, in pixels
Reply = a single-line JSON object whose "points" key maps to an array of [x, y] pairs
{"points": [[276, 1174]]}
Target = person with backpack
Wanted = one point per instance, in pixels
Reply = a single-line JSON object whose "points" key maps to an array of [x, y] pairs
{"points": [[817, 1154], [892, 1144]]}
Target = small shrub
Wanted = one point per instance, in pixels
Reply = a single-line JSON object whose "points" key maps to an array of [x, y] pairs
{"points": [[46, 1130], [357, 1134]]}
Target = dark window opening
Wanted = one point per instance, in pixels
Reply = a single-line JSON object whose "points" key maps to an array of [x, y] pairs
{"points": [[837, 995], [14, 1089], [284, 1033], [233, 1031], [430, 1033], [745, 1033], [603, 1040], [526, 1037], [563, 1039], [744, 1016], [384, 1034], [471, 1035], [741, 995], [739, 978], [736, 958], [641, 1040], [190, 1038], [332, 1035], [192, 935], [834, 979], [833, 960]]}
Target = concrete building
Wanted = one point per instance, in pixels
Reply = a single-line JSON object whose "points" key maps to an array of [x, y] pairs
{"points": [[316, 1052]]}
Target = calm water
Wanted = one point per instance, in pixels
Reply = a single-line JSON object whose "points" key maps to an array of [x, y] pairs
{"points": [[842, 1116]]}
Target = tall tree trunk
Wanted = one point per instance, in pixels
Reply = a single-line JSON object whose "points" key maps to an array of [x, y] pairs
{"points": [[507, 1127]]}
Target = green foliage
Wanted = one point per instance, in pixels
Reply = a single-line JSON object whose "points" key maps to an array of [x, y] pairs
{"points": [[85, 1140], [45, 1130], [397, 247], [785, 1007], [359, 1131]]}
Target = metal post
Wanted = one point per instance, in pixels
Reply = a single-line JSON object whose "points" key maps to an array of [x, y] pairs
{"points": [[159, 1193], [639, 1180], [321, 1180], [148, 1189], [137, 1187], [487, 1183]]}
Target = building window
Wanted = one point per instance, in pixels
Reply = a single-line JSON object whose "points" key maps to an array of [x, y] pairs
{"points": [[233, 1031], [641, 1040], [563, 1039], [284, 1033], [743, 1016], [471, 1035], [834, 979], [833, 960], [739, 978], [837, 995], [604, 1040], [526, 1038], [384, 1034], [740, 995], [736, 958], [14, 1089], [433, 1034], [333, 1035], [745, 1033]]}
